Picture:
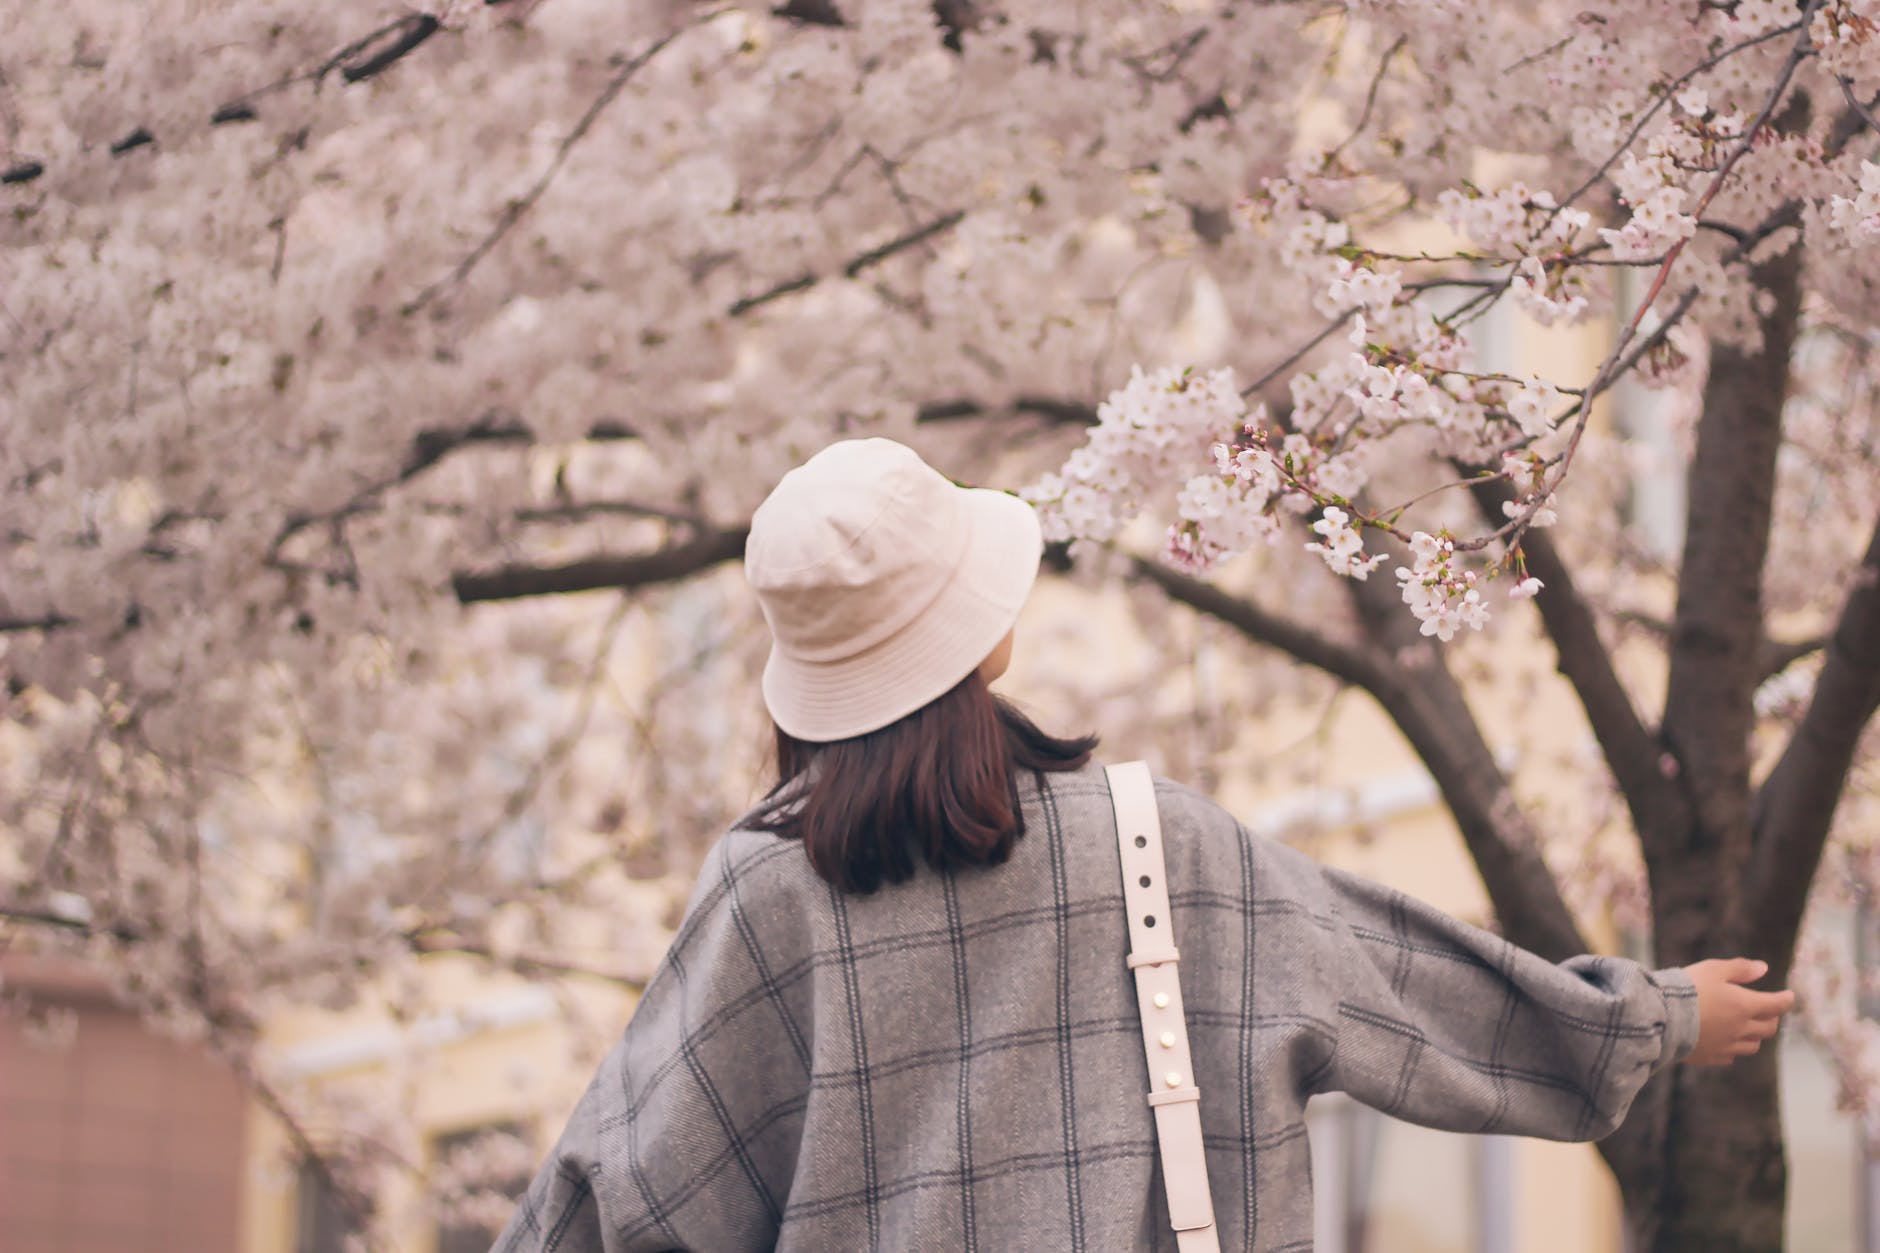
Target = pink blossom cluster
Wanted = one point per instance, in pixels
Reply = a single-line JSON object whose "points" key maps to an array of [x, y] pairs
{"points": [[1342, 547], [1859, 215], [1438, 590], [1153, 430]]}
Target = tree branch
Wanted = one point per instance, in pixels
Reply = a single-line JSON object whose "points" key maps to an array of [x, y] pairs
{"points": [[528, 966], [1428, 705], [1772, 656], [1431, 711], [662, 566], [1405, 674], [1795, 806], [431, 445], [1338, 659], [1717, 629], [355, 65], [1775, 656], [1630, 749], [1862, 111], [45, 622], [1370, 101], [856, 265], [1051, 408], [362, 59]]}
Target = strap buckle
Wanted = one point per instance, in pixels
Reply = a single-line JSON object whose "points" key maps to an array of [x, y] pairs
{"points": [[1176, 1097]]}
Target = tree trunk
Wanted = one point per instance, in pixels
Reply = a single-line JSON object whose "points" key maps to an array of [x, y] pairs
{"points": [[1723, 1185], [1720, 1179]]}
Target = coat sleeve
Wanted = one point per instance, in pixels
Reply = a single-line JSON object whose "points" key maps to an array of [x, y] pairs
{"points": [[1443, 1024], [687, 1136]]}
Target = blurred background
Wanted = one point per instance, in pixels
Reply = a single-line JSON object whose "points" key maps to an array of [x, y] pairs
{"points": [[387, 389]]}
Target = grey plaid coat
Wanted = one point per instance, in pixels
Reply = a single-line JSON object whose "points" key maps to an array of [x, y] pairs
{"points": [[955, 1063]]}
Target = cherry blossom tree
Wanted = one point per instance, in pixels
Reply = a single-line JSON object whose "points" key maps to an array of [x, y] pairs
{"points": [[346, 343]]}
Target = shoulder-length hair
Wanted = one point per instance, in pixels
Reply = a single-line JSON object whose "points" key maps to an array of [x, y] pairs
{"points": [[940, 786]]}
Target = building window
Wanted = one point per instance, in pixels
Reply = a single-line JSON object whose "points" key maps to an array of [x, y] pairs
{"points": [[1867, 994], [1384, 1186], [321, 1223], [482, 1172], [1655, 500]]}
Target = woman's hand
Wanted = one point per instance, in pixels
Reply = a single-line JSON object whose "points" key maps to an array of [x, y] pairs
{"points": [[1733, 1020]]}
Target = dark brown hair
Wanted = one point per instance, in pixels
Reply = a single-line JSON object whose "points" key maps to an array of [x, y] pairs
{"points": [[940, 786]]}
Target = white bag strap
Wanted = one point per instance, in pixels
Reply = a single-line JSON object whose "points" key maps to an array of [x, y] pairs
{"points": [[1152, 955]]}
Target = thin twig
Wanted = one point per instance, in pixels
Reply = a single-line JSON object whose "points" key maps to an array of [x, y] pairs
{"points": [[1853, 102], [1608, 368], [519, 801], [1324, 334], [424, 943], [517, 209], [1532, 57], [1488, 295], [1370, 100], [1670, 91]]}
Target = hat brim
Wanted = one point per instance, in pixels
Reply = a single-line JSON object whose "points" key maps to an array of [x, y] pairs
{"points": [[820, 701]]}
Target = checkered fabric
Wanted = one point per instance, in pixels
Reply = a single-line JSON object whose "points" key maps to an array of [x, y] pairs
{"points": [[955, 1062]]}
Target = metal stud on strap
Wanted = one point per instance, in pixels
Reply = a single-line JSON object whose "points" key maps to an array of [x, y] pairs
{"points": [[1173, 1097]]}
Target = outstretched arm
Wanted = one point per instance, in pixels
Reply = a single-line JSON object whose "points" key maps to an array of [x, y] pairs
{"points": [[1440, 1023]]}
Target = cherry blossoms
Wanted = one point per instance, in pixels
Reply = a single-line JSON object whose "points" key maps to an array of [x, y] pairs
{"points": [[386, 383], [1656, 132]]}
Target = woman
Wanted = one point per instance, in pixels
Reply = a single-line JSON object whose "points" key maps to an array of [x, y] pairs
{"points": [[897, 1014]]}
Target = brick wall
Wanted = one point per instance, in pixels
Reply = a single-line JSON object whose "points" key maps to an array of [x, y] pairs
{"points": [[121, 1139]]}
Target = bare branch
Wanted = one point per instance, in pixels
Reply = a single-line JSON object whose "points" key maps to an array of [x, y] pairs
{"points": [[641, 570], [429, 448], [810, 12], [44, 622], [858, 264], [1631, 751], [1050, 408], [1715, 651], [1405, 674], [1429, 707], [1794, 808], [526, 965], [1863, 111], [1775, 656], [1339, 659], [364, 58]]}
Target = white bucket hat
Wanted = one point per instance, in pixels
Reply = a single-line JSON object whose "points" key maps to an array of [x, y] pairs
{"points": [[884, 585]]}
